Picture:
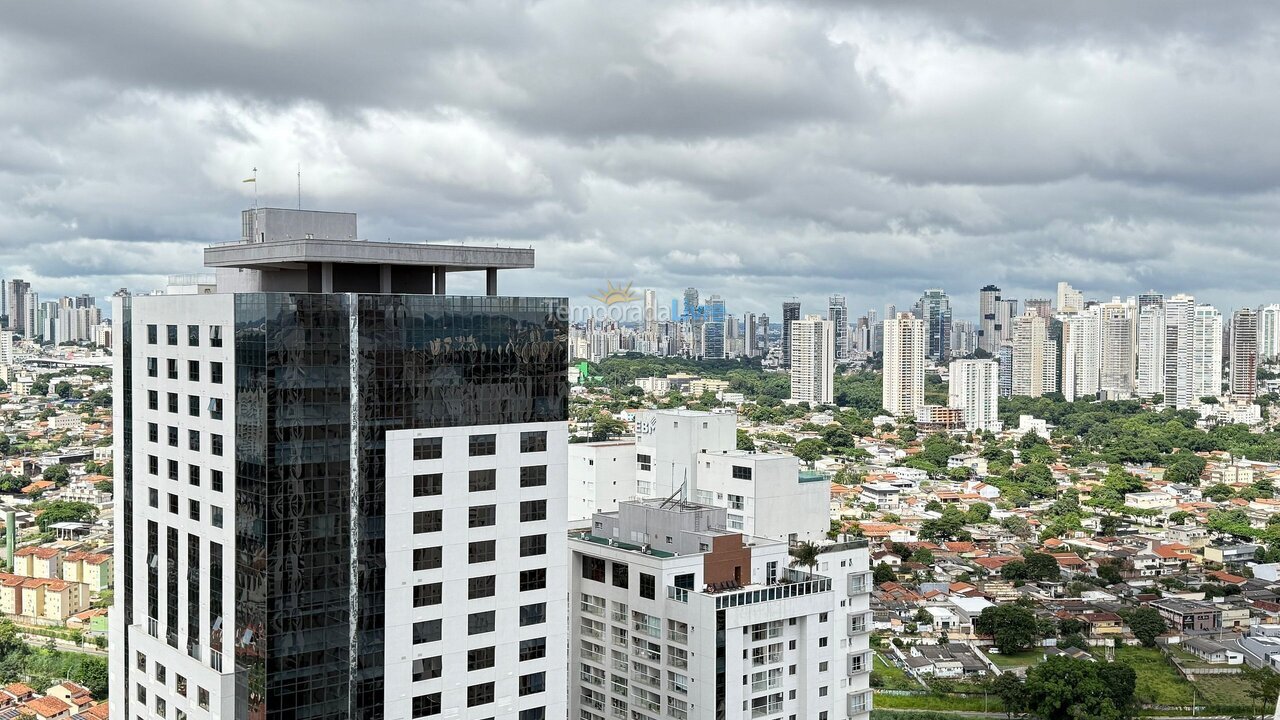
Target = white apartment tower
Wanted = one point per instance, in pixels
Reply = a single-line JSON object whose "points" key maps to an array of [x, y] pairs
{"points": [[1244, 354], [1081, 359], [1035, 362], [904, 351], [677, 616], [1150, 353], [1207, 353], [1269, 332], [340, 492], [1069, 299], [1115, 326], [975, 388], [813, 360], [1179, 344], [838, 315]]}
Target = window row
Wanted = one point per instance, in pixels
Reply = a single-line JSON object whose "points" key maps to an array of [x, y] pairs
{"points": [[193, 370], [478, 516], [429, 631], [428, 594], [193, 335], [193, 472], [481, 445], [194, 404], [193, 507], [432, 484]]}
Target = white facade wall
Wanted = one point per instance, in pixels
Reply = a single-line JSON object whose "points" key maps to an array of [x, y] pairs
{"points": [[974, 387], [1207, 353], [772, 502], [813, 360], [1115, 363], [600, 474], [671, 441], [1269, 331], [1150, 351], [904, 351], [1179, 333]]}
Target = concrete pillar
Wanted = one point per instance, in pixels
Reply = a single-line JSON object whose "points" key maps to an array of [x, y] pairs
{"points": [[439, 288], [326, 277], [491, 281], [384, 278]]}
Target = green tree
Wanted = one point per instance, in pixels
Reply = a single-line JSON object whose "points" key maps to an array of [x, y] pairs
{"points": [[809, 450], [64, 511], [744, 440], [1219, 492], [1064, 688], [924, 556], [1013, 627], [1014, 570], [1041, 566], [805, 555], [1263, 687], [56, 473], [606, 426], [978, 513], [1012, 692], [1147, 625], [884, 573], [63, 389], [1017, 525], [91, 672]]}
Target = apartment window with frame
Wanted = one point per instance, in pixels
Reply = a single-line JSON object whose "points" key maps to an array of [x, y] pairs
{"points": [[215, 444], [427, 558], [428, 594], [153, 497], [427, 668], [621, 575], [533, 441], [479, 623], [482, 445], [531, 545], [593, 568], [215, 408], [151, 334], [533, 614], [741, 473], [171, 333], [215, 515], [428, 484], [426, 705], [533, 510], [193, 473], [482, 480], [481, 587], [153, 432], [173, 504], [533, 683], [153, 367], [153, 400], [193, 370], [480, 658], [193, 439], [481, 694], [482, 551], [172, 399], [215, 480], [537, 713], [645, 462], [426, 631], [215, 336], [482, 516], [428, 521], [533, 649], [534, 579], [172, 368], [215, 373], [173, 470], [193, 509], [193, 405], [193, 335], [533, 476], [172, 432], [648, 586], [153, 465], [429, 448]]}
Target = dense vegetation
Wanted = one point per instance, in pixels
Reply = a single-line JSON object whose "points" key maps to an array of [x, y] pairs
{"points": [[42, 668]]}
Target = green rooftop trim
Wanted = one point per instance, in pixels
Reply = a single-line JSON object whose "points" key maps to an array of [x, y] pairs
{"points": [[624, 546]]}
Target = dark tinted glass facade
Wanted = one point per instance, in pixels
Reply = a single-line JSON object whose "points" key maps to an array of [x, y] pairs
{"points": [[314, 375]]}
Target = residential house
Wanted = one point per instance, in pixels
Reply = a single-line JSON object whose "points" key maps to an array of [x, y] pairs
{"points": [[1186, 615]]}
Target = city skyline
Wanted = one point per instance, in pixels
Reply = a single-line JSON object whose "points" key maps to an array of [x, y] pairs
{"points": [[863, 149]]}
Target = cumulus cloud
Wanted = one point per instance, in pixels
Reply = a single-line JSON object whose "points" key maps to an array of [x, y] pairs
{"points": [[758, 151]]}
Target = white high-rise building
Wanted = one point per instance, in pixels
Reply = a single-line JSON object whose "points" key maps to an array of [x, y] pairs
{"points": [[678, 616], [1179, 351], [1269, 332], [974, 388], [1035, 357], [1069, 299], [838, 315], [904, 351], [323, 509], [6, 347], [668, 443], [1115, 326], [1207, 353], [813, 360], [750, 343], [1081, 359], [1150, 360], [1244, 354], [990, 332]]}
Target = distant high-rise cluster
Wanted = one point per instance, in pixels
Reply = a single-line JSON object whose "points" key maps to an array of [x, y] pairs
{"points": [[54, 322]]}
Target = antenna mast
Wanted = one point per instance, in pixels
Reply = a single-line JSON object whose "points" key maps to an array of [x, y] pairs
{"points": [[299, 186]]}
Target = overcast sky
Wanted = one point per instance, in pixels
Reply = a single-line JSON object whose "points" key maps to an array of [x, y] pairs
{"points": [[755, 150]]}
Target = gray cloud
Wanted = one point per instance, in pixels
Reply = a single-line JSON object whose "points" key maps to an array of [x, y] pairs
{"points": [[757, 151]]}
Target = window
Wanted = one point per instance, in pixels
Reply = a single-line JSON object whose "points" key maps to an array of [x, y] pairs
{"points": [[426, 631], [202, 698], [171, 334], [193, 508], [538, 713], [481, 587], [142, 694], [173, 503], [172, 433], [193, 405], [193, 441], [193, 370], [173, 469], [482, 551], [480, 658], [645, 462], [426, 668], [533, 476], [428, 484], [153, 497], [215, 480], [180, 685], [153, 464], [482, 516], [533, 683], [535, 579], [151, 334], [535, 441], [733, 522], [648, 586], [592, 605], [677, 631], [428, 558], [482, 480], [428, 521], [766, 630], [533, 545], [193, 335], [428, 448], [153, 400], [171, 366], [153, 432], [480, 622], [677, 683], [152, 367], [533, 614], [215, 444], [215, 373], [426, 705], [621, 575], [593, 568], [481, 445], [481, 694], [533, 510], [741, 473], [215, 515], [428, 594], [650, 625], [215, 336], [533, 649], [736, 502], [215, 408], [172, 399]]}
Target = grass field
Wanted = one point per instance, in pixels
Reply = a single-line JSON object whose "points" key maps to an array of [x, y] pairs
{"points": [[1022, 659], [893, 676], [937, 702], [1159, 683]]}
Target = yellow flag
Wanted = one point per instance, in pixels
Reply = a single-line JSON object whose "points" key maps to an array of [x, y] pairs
{"points": [[252, 180]]}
